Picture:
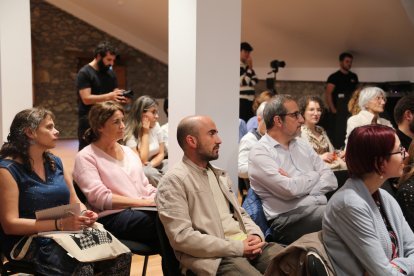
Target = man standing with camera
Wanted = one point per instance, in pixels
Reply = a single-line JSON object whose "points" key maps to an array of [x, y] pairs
{"points": [[248, 80], [96, 82], [339, 89]]}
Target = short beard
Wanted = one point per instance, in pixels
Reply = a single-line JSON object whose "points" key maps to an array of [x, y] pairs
{"points": [[102, 67], [411, 126]]}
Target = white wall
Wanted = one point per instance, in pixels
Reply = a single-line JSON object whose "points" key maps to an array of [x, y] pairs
{"points": [[15, 61], [204, 60]]}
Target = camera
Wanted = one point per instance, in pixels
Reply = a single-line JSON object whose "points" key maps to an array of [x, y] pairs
{"points": [[277, 63], [128, 93]]}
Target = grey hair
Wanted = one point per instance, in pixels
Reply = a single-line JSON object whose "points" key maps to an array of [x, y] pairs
{"points": [[275, 107], [259, 111], [367, 94], [134, 118]]}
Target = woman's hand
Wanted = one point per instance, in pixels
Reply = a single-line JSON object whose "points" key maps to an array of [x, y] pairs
{"points": [[328, 157], [76, 223], [91, 215], [145, 122], [148, 202]]}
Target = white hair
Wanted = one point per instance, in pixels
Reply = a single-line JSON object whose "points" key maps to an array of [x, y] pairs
{"points": [[259, 111], [367, 94]]}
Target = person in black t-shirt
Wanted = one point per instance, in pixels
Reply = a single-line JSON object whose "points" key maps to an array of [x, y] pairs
{"points": [[96, 82], [339, 88]]}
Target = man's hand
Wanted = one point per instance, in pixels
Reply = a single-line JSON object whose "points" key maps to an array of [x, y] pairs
{"points": [[252, 246], [117, 96], [283, 172]]}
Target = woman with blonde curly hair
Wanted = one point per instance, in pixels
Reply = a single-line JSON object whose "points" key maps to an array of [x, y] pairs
{"points": [[353, 106]]}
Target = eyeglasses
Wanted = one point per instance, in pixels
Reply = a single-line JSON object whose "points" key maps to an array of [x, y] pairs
{"points": [[295, 114], [401, 151]]}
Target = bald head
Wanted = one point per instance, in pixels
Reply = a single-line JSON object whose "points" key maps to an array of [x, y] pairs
{"points": [[198, 137], [188, 126]]}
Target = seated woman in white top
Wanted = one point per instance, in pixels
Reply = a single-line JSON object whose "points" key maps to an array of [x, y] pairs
{"points": [[311, 109], [143, 134], [371, 101]]}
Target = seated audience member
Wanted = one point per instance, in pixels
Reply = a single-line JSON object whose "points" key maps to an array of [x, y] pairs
{"points": [[263, 97], [249, 140], [353, 106], [287, 174], [143, 134], [208, 230], [311, 109], [164, 128], [112, 179], [32, 179], [364, 230], [405, 192], [404, 118], [371, 100]]}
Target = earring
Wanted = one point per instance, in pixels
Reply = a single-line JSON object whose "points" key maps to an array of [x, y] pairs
{"points": [[32, 142], [381, 176]]}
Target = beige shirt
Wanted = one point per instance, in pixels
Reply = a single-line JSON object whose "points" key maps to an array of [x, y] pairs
{"points": [[230, 226]]}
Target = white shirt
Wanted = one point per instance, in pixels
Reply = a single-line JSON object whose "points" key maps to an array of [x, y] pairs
{"points": [[156, 137], [363, 118], [246, 144], [309, 178], [164, 130]]}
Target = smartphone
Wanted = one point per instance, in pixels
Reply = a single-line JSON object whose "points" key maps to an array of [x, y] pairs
{"points": [[128, 93]]}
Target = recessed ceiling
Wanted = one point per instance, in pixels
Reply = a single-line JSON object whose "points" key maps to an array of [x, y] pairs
{"points": [[305, 34]]}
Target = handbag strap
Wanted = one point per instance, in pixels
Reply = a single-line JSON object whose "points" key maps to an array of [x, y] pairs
{"points": [[24, 249]]}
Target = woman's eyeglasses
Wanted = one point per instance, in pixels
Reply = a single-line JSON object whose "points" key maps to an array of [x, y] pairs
{"points": [[401, 151]]}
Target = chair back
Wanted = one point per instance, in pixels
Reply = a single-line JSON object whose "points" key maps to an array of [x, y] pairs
{"points": [[253, 206]]}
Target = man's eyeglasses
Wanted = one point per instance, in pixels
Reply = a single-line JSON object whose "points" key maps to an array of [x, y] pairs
{"points": [[295, 114], [401, 151]]}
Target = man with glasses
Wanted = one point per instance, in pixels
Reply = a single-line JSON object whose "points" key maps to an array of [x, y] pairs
{"points": [[287, 174]]}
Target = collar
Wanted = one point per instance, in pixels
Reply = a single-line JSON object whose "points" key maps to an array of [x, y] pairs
{"points": [[274, 143], [366, 114], [199, 170]]}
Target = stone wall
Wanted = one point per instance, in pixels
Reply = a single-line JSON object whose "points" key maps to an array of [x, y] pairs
{"points": [[59, 40]]}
